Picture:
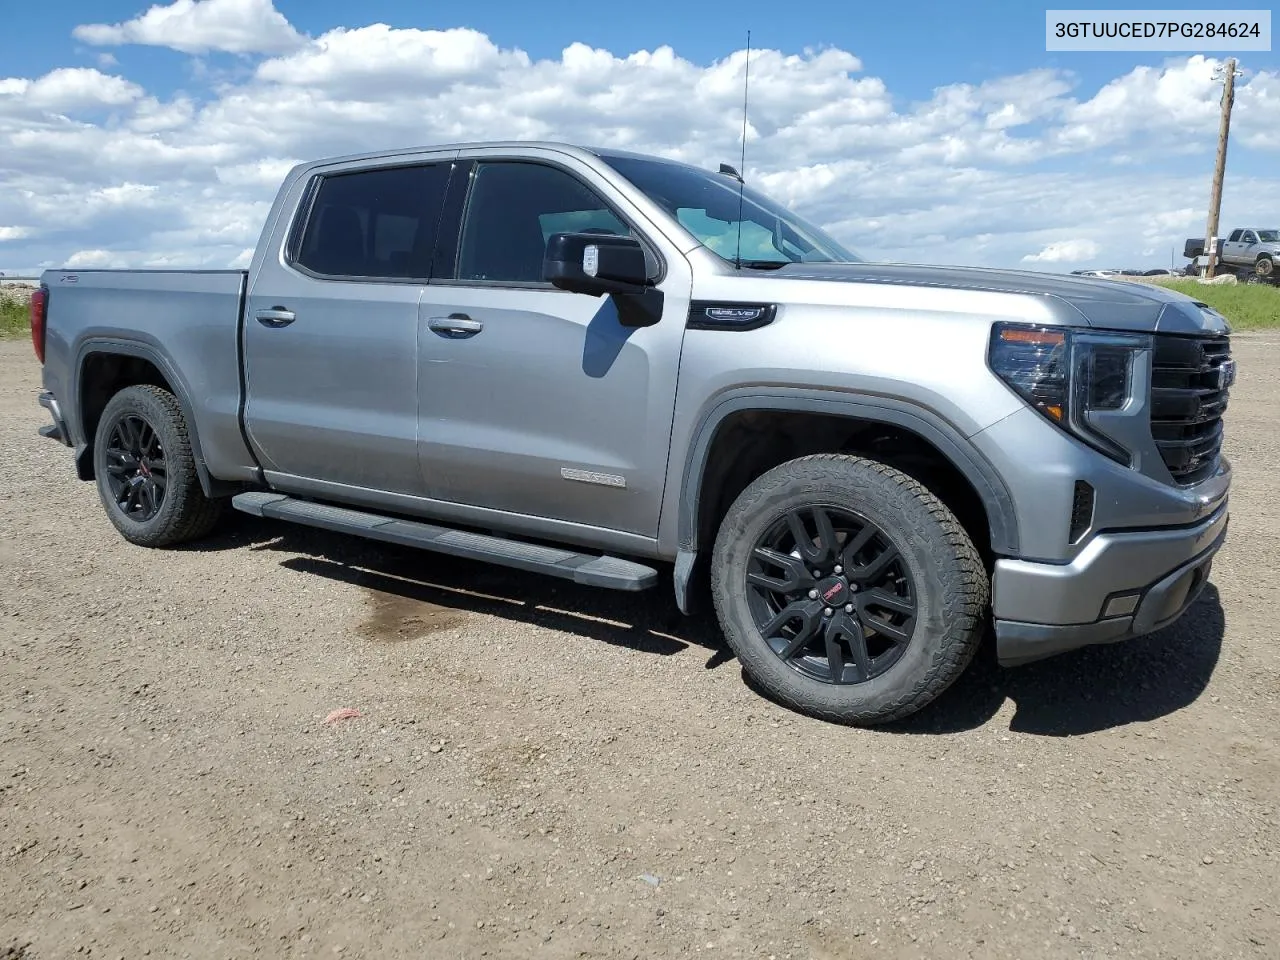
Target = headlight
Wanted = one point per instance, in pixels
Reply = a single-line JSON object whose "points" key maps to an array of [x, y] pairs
{"points": [[1077, 379]]}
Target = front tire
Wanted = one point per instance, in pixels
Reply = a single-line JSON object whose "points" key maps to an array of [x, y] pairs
{"points": [[848, 591], [1264, 267], [146, 471]]}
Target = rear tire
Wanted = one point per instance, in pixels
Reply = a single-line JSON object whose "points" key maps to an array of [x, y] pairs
{"points": [[897, 603], [146, 471]]}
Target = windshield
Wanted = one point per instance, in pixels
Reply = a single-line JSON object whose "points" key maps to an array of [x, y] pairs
{"points": [[706, 204], [1269, 236]]}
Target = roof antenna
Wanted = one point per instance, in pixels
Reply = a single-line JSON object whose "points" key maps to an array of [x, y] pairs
{"points": [[746, 77]]}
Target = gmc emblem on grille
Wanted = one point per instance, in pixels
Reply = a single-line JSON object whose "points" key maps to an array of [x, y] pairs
{"points": [[1226, 374]]}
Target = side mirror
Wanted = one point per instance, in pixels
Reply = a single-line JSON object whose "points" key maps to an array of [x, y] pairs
{"points": [[595, 263]]}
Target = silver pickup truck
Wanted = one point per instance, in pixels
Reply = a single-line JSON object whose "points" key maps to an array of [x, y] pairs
{"points": [[1251, 253], [600, 365]]}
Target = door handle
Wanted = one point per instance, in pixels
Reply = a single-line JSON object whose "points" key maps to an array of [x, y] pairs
{"points": [[275, 317], [456, 326]]}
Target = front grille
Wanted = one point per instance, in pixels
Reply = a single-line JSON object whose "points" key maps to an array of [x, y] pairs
{"points": [[1188, 399]]}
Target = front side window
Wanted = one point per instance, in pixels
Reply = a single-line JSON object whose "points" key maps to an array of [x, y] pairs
{"points": [[514, 209], [379, 224], [1249, 237], [708, 206]]}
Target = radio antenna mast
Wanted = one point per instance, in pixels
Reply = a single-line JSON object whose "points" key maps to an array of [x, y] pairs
{"points": [[742, 164]]}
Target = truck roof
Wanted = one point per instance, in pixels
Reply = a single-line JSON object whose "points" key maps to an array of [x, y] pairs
{"points": [[573, 149]]}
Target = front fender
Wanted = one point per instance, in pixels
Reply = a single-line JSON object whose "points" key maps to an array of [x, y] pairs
{"points": [[929, 426]]}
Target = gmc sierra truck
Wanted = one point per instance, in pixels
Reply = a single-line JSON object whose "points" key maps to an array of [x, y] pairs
{"points": [[597, 365]]}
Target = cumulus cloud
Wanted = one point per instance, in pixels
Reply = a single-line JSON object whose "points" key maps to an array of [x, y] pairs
{"points": [[1064, 251], [198, 26], [13, 233], [1021, 168]]}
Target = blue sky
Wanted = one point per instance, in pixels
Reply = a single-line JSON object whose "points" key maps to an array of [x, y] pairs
{"points": [[924, 131]]}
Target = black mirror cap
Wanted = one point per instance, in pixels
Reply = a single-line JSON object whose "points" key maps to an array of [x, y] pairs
{"points": [[595, 263]]}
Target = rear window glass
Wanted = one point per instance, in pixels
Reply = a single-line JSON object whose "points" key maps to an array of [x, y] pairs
{"points": [[375, 223]]}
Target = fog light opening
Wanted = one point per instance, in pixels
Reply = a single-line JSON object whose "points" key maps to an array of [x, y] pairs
{"points": [[1120, 604]]}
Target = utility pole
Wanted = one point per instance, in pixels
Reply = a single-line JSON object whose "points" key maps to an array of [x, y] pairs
{"points": [[1215, 197]]}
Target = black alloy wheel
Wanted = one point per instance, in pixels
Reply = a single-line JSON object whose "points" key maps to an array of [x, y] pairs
{"points": [[146, 471], [137, 474], [831, 594]]}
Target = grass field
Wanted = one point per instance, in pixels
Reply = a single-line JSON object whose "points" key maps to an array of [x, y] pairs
{"points": [[1249, 306], [14, 318]]}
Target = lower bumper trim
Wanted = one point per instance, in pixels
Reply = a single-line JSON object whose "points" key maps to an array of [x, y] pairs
{"points": [[1162, 603]]}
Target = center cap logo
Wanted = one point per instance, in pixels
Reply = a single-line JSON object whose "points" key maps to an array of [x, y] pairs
{"points": [[832, 592]]}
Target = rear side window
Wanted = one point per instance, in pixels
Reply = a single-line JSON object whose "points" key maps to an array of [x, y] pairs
{"points": [[514, 209], [375, 223], [1235, 235]]}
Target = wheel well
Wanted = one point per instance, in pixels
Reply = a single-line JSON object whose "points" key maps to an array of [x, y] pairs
{"points": [[751, 442], [102, 376]]}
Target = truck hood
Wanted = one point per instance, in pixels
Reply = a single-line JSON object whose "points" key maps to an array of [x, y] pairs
{"points": [[1105, 304]]}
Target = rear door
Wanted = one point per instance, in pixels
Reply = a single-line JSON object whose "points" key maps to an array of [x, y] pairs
{"points": [[330, 331]]}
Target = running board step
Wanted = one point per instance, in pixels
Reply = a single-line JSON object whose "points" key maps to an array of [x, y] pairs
{"points": [[585, 568]]}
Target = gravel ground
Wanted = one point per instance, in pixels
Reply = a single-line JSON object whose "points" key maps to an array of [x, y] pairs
{"points": [[544, 770]]}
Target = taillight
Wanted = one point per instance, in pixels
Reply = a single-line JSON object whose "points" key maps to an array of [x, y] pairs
{"points": [[39, 312]]}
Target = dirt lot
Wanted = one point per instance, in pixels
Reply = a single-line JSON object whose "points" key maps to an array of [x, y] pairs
{"points": [[549, 771]]}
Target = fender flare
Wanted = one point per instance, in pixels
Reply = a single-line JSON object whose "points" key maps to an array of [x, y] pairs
{"points": [[153, 355], [929, 426]]}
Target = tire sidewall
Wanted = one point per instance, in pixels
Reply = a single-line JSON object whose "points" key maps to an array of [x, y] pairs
{"points": [[136, 402], [905, 521]]}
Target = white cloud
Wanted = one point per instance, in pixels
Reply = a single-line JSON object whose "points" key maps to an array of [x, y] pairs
{"points": [[198, 26], [95, 258], [13, 233], [1064, 251], [1021, 168], [71, 88]]}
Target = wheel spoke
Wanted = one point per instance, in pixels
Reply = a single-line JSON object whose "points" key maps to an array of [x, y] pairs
{"points": [[876, 568], [858, 645], [849, 555], [808, 612], [894, 633], [835, 655], [158, 477], [797, 576], [814, 549], [888, 601], [146, 440]]}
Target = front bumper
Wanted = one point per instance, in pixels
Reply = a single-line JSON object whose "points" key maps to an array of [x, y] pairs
{"points": [[1122, 585], [58, 429]]}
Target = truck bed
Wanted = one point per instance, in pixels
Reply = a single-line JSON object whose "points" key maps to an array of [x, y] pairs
{"points": [[184, 322]]}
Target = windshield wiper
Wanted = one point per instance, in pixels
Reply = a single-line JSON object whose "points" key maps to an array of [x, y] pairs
{"points": [[765, 264]]}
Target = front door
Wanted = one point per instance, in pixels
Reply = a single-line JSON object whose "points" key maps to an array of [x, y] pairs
{"points": [[534, 400], [331, 332]]}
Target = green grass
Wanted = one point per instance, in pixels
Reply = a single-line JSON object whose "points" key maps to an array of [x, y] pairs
{"points": [[1247, 306], [15, 319]]}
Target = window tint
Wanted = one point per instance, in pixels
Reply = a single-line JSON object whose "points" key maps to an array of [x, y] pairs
{"points": [[514, 209], [1249, 237], [375, 223], [1235, 235]]}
